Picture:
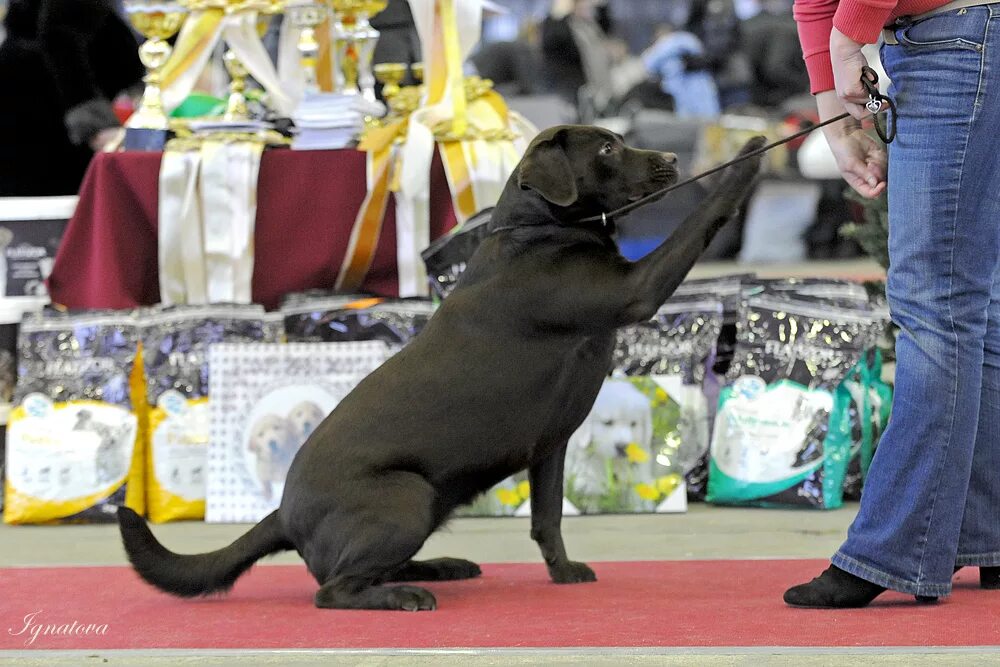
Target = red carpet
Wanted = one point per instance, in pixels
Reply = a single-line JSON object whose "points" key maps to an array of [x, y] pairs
{"points": [[656, 604]]}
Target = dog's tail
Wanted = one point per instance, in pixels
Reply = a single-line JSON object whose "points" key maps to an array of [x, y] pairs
{"points": [[198, 574]]}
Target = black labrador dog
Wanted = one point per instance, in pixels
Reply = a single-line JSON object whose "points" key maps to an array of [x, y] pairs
{"points": [[499, 379]]}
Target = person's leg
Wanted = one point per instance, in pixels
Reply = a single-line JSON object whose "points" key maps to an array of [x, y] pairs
{"points": [[944, 246], [979, 541]]}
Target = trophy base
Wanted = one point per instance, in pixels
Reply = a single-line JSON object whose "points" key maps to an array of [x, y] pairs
{"points": [[146, 139]]}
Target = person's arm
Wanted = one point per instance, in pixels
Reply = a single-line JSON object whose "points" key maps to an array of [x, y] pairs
{"points": [[832, 59]]}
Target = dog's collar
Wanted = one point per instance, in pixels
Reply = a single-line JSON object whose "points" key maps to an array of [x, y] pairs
{"points": [[603, 218]]}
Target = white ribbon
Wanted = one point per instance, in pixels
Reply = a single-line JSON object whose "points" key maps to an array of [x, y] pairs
{"points": [[207, 215], [240, 33], [229, 196], [413, 199], [180, 247]]}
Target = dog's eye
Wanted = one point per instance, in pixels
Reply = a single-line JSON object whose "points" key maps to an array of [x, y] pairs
{"points": [[607, 148]]}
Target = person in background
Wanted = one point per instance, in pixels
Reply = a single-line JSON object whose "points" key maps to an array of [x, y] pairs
{"points": [[770, 40], [717, 24], [512, 66], [931, 501], [574, 52], [61, 65], [678, 59]]}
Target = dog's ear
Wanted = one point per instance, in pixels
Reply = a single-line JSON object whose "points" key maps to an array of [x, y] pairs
{"points": [[546, 170]]}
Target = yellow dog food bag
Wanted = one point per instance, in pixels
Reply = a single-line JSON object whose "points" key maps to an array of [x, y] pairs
{"points": [[175, 343], [73, 435]]}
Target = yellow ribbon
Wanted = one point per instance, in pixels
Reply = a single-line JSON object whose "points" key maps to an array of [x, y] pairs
{"points": [[480, 121], [191, 43]]}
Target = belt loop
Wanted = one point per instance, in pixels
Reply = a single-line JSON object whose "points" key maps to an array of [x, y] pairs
{"points": [[889, 36]]}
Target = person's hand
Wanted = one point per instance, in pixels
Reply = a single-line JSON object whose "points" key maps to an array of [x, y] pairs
{"points": [[860, 158], [106, 139], [848, 62]]}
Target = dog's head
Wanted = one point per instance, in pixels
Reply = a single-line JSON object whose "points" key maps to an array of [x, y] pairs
{"points": [[621, 416], [589, 170], [305, 417]]}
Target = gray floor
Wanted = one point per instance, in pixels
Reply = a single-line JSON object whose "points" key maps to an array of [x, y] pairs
{"points": [[704, 532]]}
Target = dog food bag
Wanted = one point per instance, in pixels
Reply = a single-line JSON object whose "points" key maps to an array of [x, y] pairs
{"points": [[675, 349], [339, 319], [872, 401], [175, 345], [782, 433], [446, 258], [843, 293], [728, 289], [72, 439]]}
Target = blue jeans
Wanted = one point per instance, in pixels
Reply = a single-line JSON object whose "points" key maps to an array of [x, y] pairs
{"points": [[932, 499]]}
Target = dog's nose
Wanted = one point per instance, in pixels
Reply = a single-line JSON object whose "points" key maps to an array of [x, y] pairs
{"points": [[671, 158], [621, 448]]}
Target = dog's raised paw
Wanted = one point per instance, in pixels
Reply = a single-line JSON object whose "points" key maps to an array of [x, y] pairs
{"points": [[571, 572], [412, 598]]}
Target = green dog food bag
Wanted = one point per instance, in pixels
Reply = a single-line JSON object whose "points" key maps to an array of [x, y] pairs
{"points": [[73, 453], [782, 433], [175, 346], [877, 406]]}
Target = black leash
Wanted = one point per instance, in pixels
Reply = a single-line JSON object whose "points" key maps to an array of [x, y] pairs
{"points": [[876, 102]]}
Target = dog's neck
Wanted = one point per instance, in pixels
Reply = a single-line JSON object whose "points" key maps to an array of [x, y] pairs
{"points": [[531, 213]]}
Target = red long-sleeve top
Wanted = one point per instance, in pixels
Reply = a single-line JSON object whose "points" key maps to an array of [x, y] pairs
{"points": [[861, 20]]}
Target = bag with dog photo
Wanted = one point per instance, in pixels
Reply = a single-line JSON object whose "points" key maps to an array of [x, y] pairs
{"points": [[175, 344], [782, 434], [676, 348], [73, 449], [345, 319], [266, 401]]}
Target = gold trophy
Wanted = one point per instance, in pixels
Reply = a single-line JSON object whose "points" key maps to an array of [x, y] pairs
{"points": [[157, 21], [306, 15], [355, 39], [236, 104]]}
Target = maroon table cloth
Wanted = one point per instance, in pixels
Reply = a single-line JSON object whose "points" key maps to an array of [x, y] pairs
{"points": [[306, 205]]}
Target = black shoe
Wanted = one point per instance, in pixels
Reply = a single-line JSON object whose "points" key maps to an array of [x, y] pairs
{"points": [[989, 577], [834, 589]]}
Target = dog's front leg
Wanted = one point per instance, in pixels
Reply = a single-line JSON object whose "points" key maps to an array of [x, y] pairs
{"points": [[655, 277], [546, 479]]}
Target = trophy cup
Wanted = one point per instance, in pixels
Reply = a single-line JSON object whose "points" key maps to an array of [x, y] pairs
{"points": [[390, 75], [306, 15], [157, 21], [236, 105], [355, 40]]}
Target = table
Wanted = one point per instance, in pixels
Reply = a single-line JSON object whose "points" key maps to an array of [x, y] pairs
{"points": [[307, 202]]}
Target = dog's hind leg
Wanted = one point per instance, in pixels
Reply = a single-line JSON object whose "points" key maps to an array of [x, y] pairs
{"points": [[368, 547], [546, 479], [438, 569]]}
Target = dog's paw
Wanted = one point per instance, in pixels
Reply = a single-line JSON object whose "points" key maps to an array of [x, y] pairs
{"points": [[571, 572], [411, 598]]}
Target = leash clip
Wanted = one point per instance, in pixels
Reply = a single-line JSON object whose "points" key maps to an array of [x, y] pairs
{"points": [[876, 102], [604, 219]]}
